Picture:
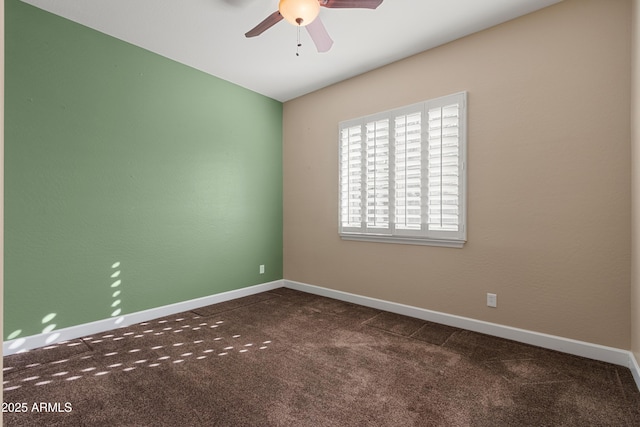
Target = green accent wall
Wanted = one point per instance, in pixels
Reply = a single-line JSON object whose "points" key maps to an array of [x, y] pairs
{"points": [[131, 181]]}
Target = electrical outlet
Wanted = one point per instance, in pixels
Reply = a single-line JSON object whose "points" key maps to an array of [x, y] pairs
{"points": [[492, 300], [262, 269]]}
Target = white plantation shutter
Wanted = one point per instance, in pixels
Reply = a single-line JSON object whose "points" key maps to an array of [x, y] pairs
{"points": [[377, 154], [408, 171], [402, 174], [444, 168], [351, 214]]}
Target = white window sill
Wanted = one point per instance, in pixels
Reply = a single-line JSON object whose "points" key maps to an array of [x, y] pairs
{"points": [[447, 243]]}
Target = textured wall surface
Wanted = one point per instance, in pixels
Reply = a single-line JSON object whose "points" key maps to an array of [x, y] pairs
{"points": [[635, 183], [548, 168], [131, 181]]}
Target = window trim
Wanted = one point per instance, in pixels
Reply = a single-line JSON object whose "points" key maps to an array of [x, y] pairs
{"points": [[454, 239]]}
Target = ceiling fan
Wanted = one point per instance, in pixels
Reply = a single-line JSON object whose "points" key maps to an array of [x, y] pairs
{"points": [[304, 13]]}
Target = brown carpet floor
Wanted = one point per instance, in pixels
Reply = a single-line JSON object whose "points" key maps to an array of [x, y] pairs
{"points": [[288, 358]]}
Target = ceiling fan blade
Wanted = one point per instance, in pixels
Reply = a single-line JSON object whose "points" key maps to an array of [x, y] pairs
{"points": [[319, 35], [344, 4], [268, 22]]}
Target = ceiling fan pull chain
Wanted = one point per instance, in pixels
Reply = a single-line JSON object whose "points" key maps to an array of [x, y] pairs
{"points": [[299, 44]]}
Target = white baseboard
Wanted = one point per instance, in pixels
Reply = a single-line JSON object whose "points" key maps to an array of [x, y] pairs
{"points": [[635, 368], [23, 344], [565, 345]]}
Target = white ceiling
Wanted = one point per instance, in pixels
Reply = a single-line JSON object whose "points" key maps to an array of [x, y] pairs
{"points": [[209, 35]]}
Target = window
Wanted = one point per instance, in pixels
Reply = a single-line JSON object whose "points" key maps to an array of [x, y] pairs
{"points": [[403, 174]]}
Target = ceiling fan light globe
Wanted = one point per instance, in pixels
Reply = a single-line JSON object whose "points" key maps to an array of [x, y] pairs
{"points": [[299, 12]]}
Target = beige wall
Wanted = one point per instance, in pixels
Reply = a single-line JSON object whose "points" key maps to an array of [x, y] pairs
{"points": [[635, 183], [1, 176], [549, 177]]}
